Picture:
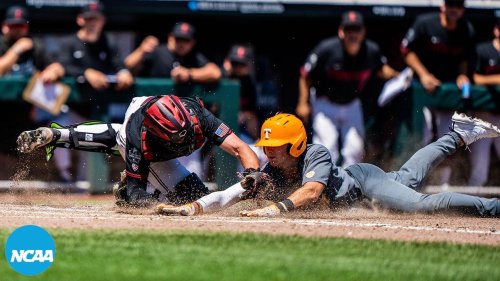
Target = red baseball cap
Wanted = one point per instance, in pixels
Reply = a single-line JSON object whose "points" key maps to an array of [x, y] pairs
{"points": [[16, 15], [184, 30], [352, 18]]}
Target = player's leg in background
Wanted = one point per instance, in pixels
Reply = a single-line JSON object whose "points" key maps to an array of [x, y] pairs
{"points": [[479, 158], [325, 125], [352, 133], [193, 162], [62, 157], [428, 130], [443, 123], [425, 160], [374, 183]]}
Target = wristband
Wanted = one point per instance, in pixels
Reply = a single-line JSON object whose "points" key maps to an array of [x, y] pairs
{"points": [[281, 207], [287, 205]]}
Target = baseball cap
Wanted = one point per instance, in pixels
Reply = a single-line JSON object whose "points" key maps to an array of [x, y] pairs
{"points": [[183, 30], [93, 9], [352, 18], [454, 3], [241, 54], [16, 15]]}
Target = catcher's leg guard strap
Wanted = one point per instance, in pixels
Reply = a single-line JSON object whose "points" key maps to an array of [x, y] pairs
{"points": [[98, 137], [72, 135], [190, 189]]}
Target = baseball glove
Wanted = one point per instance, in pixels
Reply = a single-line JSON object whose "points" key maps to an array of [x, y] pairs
{"points": [[255, 181]]}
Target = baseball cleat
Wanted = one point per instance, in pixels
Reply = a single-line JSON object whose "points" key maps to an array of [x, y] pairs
{"points": [[473, 129], [28, 141]]}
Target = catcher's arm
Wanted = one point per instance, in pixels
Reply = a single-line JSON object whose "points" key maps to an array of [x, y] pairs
{"points": [[212, 202], [307, 194], [238, 148]]}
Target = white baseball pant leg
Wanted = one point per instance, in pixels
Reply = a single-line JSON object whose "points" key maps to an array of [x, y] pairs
{"points": [[479, 158], [332, 120], [443, 124]]}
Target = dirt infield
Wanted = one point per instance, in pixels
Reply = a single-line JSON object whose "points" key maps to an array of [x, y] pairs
{"points": [[99, 212]]}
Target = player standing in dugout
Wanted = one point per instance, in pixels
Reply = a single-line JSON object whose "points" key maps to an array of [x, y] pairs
{"points": [[339, 68]]}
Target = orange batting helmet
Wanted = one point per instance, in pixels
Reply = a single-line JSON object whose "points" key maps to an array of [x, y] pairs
{"points": [[283, 129]]}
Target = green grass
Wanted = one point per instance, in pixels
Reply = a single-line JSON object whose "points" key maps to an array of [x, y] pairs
{"points": [[154, 255]]}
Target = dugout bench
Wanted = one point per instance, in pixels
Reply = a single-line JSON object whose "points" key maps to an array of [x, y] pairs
{"points": [[225, 95]]}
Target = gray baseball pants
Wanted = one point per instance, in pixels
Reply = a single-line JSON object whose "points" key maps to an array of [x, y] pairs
{"points": [[397, 189]]}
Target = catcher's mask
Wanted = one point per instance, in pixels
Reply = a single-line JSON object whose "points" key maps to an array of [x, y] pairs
{"points": [[284, 129], [168, 119]]}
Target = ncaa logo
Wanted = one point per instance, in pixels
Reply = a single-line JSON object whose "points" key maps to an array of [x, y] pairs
{"points": [[30, 250]]}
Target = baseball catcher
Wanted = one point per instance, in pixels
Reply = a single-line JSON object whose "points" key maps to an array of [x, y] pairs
{"points": [[309, 170], [156, 131]]}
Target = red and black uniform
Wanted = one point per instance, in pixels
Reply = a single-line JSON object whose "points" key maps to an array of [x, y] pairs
{"points": [[77, 56], [488, 59], [143, 147], [338, 75], [488, 63], [161, 61], [440, 50], [248, 91]]}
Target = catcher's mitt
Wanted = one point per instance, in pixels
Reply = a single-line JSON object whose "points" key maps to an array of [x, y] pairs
{"points": [[255, 182]]}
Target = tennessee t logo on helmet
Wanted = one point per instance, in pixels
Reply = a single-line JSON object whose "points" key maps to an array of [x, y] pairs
{"points": [[267, 132], [285, 129]]}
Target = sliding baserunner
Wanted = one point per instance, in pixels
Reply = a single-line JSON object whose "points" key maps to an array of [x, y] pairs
{"points": [[297, 174]]}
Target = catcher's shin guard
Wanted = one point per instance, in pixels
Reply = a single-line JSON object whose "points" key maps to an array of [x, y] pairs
{"points": [[190, 189], [86, 140]]}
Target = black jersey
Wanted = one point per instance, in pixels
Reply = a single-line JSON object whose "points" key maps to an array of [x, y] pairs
{"points": [[161, 61], [488, 63], [338, 75], [248, 91], [440, 50], [30, 61], [487, 59], [77, 56], [138, 140], [315, 165]]}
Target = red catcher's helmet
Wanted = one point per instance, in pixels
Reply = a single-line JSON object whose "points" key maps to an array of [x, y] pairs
{"points": [[168, 119]]}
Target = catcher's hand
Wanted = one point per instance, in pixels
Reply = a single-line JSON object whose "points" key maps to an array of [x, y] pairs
{"points": [[269, 211], [184, 210]]}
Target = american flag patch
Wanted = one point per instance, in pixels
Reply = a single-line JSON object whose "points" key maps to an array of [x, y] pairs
{"points": [[222, 130]]}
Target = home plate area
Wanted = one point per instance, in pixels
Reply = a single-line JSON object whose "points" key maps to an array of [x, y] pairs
{"points": [[73, 211]]}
